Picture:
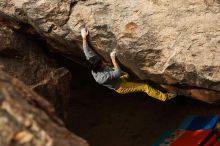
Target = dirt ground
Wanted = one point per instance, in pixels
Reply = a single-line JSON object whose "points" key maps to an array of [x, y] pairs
{"points": [[104, 118]]}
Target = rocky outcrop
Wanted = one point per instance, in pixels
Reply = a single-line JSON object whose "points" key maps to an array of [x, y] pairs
{"points": [[20, 123], [24, 58], [165, 41]]}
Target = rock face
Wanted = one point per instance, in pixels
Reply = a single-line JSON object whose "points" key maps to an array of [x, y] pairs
{"points": [[164, 41], [23, 58], [26, 118], [20, 123]]}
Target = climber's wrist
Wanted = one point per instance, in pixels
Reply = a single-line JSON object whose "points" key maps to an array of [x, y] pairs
{"points": [[84, 39], [113, 57]]}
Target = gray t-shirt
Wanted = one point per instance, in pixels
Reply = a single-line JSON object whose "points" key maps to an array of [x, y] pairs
{"points": [[108, 77]]}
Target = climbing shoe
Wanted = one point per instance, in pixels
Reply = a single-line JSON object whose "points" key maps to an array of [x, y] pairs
{"points": [[171, 95]]}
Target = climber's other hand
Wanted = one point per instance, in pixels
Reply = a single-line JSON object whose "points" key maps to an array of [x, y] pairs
{"points": [[84, 32]]}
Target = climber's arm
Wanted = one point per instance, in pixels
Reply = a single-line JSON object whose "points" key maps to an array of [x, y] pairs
{"points": [[89, 53], [114, 61], [117, 70]]}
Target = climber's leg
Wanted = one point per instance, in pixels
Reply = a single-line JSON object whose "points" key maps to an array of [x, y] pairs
{"points": [[129, 87]]}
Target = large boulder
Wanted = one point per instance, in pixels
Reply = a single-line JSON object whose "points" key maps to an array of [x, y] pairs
{"points": [[25, 59], [167, 42], [27, 119]]}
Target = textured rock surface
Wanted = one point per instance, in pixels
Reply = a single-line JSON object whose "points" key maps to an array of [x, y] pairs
{"points": [[20, 123], [23, 58], [165, 41]]}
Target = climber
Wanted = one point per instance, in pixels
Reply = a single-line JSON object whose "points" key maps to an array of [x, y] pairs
{"points": [[114, 78]]}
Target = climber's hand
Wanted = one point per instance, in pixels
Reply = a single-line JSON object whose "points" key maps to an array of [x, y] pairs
{"points": [[84, 32], [113, 54]]}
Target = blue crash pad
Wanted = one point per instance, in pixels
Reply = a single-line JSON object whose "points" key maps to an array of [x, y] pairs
{"points": [[186, 122], [203, 122], [163, 137]]}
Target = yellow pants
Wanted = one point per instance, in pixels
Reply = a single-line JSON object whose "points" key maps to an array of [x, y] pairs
{"points": [[129, 87]]}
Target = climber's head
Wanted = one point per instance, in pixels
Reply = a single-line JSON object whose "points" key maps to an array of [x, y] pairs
{"points": [[96, 63]]}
